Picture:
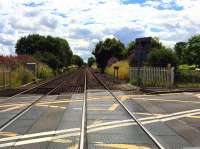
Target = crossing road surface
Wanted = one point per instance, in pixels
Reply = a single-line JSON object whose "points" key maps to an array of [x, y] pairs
{"points": [[53, 116], [174, 119]]}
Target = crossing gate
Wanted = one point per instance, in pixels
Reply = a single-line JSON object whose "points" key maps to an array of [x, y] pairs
{"points": [[152, 76]]}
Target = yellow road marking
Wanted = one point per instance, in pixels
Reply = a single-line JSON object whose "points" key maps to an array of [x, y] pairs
{"points": [[10, 105], [119, 96], [94, 129], [58, 107], [113, 107], [150, 114], [96, 109], [12, 108], [98, 142], [96, 122], [193, 116], [163, 100], [8, 134], [110, 123], [197, 95], [74, 147], [123, 146], [64, 141], [62, 101], [100, 97]]}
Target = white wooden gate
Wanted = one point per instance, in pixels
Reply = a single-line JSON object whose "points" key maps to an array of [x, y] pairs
{"points": [[152, 76]]}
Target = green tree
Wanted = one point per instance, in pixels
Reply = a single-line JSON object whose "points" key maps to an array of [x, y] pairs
{"points": [[162, 57], [192, 53], [139, 57], [53, 51], [156, 44], [130, 47], [180, 49], [104, 50], [77, 60], [91, 60]]}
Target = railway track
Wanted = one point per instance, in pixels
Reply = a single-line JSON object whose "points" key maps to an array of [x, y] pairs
{"points": [[103, 122], [54, 86], [106, 86]]}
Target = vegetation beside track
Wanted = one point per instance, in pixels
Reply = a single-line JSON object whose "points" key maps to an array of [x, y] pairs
{"points": [[184, 57], [14, 73], [123, 69]]}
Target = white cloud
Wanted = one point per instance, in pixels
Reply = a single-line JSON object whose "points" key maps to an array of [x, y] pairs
{"points": [[84, 23], [49, 22]]}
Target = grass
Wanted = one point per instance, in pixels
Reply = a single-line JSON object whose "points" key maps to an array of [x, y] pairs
{"points": [[4, 75], [188, 85], [44, 71], [123, 69], [94, 66], [20, 76]]}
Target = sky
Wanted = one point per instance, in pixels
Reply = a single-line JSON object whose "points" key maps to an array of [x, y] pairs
{"points": [[85, 22]]}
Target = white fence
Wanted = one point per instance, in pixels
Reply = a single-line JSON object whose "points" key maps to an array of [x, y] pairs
{"points": [[152, 76]]}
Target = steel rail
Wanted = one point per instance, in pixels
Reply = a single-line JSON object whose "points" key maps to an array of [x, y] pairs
{"points": [[157, 143], [27, 90], [83, 135], [15, 117]]}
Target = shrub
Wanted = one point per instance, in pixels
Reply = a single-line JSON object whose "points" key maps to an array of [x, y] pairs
{"points": [[44, 71], [187, 76], [187, 67], [20, 76], [162, 57]]}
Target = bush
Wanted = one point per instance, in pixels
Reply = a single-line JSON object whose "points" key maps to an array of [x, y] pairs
{"points": [[44, 71], [162, 57], [91, 60], [135, 81], [187, 67], [20, 76], [188, 76]]}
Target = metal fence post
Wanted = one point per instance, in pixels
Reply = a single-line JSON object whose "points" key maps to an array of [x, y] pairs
{"points": [[9, 78], [4, 77]]}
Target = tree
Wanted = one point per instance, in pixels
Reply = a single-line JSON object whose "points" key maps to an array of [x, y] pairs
{"points": [[77, 60], [104, 50], [46, 49], [180, 49], [192, 53], [130, 47], [91, 60], [162, 57], [156, 44]]}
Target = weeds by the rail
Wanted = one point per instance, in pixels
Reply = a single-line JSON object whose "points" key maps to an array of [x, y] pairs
{"points": [[20, 76], [44, 71]]}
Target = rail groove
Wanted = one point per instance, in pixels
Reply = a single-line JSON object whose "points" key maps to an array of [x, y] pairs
{"points": [[56, 86], [157, 143], [15, 117]]}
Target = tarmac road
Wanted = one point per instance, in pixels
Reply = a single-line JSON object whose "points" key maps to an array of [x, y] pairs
{"points": [[173, 118]]}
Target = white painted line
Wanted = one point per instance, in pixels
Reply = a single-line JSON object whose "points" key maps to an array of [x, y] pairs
{"points": [[39, 134]]}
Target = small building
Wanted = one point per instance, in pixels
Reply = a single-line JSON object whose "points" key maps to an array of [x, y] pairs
{"points": [[32, 67], [142, 48]]}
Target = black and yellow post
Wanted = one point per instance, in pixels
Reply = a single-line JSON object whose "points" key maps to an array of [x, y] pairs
{"points": [[116, 73]]}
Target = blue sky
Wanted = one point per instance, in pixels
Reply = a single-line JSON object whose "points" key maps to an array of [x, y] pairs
{"points": [[84, 22]]}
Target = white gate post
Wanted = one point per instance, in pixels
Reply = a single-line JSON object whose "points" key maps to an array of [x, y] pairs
{"points": [[172, 76]]}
